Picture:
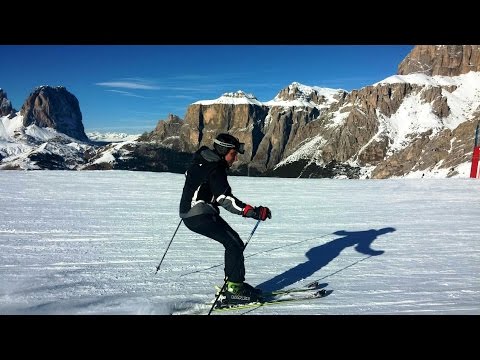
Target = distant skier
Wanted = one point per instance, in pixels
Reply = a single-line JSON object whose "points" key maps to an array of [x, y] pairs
{"points": [[206, 187]]}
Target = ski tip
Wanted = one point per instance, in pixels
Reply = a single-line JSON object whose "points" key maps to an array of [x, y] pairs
{"points": [[323, 293]]}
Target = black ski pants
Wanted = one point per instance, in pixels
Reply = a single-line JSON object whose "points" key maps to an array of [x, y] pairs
{"points": [[214, 227]]}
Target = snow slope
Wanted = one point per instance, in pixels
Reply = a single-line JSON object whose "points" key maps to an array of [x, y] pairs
{"points": [[88, 243]]}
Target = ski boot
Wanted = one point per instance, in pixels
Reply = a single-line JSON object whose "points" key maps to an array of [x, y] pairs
{"points": [[241, 293]]}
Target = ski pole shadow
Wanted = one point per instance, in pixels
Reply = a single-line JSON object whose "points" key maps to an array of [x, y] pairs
{"points": [[321, 255], [257, 253]]}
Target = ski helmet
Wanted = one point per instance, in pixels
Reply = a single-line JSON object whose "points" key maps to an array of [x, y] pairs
{"points": [[224, 142]]}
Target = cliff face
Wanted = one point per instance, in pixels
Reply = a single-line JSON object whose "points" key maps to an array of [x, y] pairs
{"points": [[204, 122], [446, 60], [6, 108], [391, 128], [56, 108]]}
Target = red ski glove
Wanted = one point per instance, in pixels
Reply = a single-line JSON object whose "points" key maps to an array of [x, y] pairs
{"points": [[258, 213]]}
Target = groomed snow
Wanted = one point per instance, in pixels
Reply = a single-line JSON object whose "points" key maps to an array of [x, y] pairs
{"points": [[88, 242]]}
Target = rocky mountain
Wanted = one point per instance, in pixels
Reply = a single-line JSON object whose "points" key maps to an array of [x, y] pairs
{"points": [[47, 133], [6, 108], [445, 60], [419, 122], [55, 108]]}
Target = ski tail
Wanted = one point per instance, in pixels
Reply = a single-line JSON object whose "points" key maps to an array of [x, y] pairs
{"points": [[310, 287]]}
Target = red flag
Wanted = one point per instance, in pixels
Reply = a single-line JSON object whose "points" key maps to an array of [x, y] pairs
{"points": [[475, 170]]}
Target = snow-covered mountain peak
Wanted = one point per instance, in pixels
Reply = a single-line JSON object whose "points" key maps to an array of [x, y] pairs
{"points": [[44, 87], [35, 147], [239, 94], [111, 136], [234, 98], [301, 90], [297, 94]]}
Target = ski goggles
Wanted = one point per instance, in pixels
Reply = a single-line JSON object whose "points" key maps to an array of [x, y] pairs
{"points": [[240, 147]]}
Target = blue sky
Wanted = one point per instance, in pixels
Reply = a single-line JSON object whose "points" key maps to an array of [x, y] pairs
{"points": [[128, 88]]}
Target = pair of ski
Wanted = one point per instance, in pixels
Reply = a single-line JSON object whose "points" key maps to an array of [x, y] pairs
{"points": [[313, 290]]}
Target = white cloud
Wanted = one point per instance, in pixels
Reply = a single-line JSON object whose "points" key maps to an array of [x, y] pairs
{"points": [[127, 93], [128, 85]]}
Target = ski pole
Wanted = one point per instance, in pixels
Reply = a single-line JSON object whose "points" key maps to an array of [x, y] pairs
{"points": [[226, 277], [158, 267]]}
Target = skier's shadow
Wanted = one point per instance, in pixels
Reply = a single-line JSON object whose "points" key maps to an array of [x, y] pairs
{"points": [[321, 255]]}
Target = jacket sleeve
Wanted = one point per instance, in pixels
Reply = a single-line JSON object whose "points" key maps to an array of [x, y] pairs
{"points": [[222, 192]]}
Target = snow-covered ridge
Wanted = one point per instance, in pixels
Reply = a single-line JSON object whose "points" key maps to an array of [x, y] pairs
{"points": [[416, 116], [41, 87], [11, 130], [111, 136], [303, 93], [21, 147], [235, 98], [303, 96], [437, 80], [306, 90]]}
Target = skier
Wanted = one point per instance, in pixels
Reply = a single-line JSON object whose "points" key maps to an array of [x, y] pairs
{"points": [[206, 187]]}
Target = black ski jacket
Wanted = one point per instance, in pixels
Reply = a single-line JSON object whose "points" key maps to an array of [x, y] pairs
{"points": [[206, 186]]}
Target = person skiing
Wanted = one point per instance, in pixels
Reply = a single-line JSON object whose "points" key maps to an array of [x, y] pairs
{"points": [[206, 187]]}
